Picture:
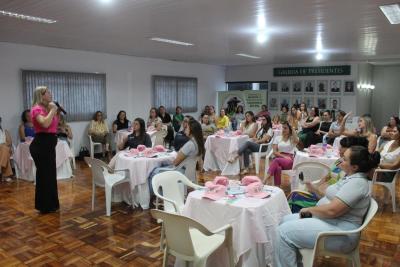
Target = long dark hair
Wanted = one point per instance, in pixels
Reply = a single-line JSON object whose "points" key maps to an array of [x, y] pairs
{"points": [[363, 159], [396, 119], [197, 133], [350, 141], [119, 113], [253, 118], [23, 115], [268, 125], [142, 130], [153, 108], [95, 116]]}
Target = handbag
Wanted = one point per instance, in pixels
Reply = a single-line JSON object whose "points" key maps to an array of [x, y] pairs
{"points": [[83, 152]]}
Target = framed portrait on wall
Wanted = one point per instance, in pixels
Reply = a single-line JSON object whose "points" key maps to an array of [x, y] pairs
{"points": [[309, 87], [273, 102], [296, 100], [334, 103], [297, 87], [274, 87], [335, 87], [322, 103], [284, 101], [348, 88], [285, 86], [309, 101], [322, 87]]}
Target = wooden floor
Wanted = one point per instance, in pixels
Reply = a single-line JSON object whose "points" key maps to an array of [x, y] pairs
{"points": [[76, 236]]}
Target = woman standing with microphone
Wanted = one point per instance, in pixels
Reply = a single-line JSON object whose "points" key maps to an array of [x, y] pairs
{"points": [[45, 121]]}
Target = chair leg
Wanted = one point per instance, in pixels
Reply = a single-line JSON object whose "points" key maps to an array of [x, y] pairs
{"points": [[108, 190], [165, 258], [162, 247], [93, 195], [257, 162], [393, 196], [355, 261]]}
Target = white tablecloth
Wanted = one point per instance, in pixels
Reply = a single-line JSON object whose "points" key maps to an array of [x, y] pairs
{"points": [[219, 150], [27, 168], [305, 157], [139, 169], [254, 222]]}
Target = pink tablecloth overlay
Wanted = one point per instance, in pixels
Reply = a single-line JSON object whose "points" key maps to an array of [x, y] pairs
{"points": [[25, 162], [218, 152], [254, 222]]}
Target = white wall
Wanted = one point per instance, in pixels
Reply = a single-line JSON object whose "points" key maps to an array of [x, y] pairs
{"points": [[386, 96], [128, 80], [265, 73]]}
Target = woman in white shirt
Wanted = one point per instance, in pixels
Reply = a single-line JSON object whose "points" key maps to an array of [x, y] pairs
{"points": [[263, 135], [5, 153], [284, 147], [334, 129], [249, 126], [390, 156]]}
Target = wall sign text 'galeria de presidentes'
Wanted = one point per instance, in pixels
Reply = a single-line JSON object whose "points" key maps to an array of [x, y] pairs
{"points": [[313, 71]]}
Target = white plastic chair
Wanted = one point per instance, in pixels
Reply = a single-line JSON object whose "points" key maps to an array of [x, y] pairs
{"points": [[92, 145], [104, 176], [319, 247], [190, 241], [258, 155], [153, 140], [390, 186], [189, 166]]}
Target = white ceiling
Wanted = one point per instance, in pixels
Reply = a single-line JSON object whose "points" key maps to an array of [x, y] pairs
{"points": [[351, 30]]}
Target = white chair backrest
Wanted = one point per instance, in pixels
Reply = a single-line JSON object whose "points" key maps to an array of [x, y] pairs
{"points": [[97, 167], [170, 183], [373, 208], [153, 140], [177, 233], [312, 170]]}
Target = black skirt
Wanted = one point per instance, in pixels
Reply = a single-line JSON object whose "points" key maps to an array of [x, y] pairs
{"points": [[43, 152]]}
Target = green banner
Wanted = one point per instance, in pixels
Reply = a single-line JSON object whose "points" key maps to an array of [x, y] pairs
{"points": [[313, 71], [249, 99]]}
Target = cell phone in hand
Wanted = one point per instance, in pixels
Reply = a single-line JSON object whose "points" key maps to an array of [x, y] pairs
{"points": [[301, 176], [306, 214]]}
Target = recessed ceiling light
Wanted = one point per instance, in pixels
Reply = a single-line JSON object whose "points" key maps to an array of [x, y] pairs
{"points": [[26, 17], [247, 55], [170, 41], [106, 1], [392, 13], [319, 56]]}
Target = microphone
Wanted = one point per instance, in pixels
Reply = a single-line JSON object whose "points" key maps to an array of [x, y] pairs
{"points": [[60, 107]]}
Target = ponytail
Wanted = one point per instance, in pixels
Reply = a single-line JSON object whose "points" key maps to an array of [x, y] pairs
{"points": [[363, 159]]}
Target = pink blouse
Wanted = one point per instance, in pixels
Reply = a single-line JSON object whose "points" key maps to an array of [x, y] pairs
{"points": [[40, 110]]}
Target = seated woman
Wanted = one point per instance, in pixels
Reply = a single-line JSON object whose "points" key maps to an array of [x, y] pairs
{"points": [[237, 118], [324, 126], [307, 136], [153, 116], [385, 133], [303, 113], [26, 127], [263, 136], [64, 132], [137, 137], [177, 119], [276, 123], [121, 122], [193, 149], [293, 118], [365, 129], [299, 199], [222, 122], [211, 116], [284, 114], [249, 126], [263, 112], [5, 153], [390, 156], [99, 132], [283, 149], [207, 127], [160, 134], [342, 208], [334, 129], [167, 121]]}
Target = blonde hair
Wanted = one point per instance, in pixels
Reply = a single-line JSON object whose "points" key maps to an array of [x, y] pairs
{"points": [[369, 125], [38, 95]]}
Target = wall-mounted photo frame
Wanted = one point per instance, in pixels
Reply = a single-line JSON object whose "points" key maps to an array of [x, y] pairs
{"points": [[285, 86], [334, 103], [322, 103], [274, 87], [309, 87], [322, 87], [296, 100], [297, 87], [335, 87], [284, 101], [348, 88], [273, 102], [309, 101]]}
